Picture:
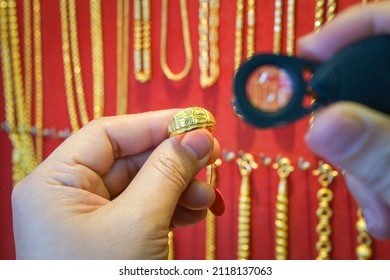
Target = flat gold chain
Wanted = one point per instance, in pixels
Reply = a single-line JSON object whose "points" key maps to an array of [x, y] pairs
{"points": [[97, 58], [123, 21], [208, 42], [142, 41], [251, 23], [28, 70], [23, 156], [238, 33], [186, 39]]}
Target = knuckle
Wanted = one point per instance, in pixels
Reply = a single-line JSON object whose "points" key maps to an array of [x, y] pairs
{"points": [[172, 169]]}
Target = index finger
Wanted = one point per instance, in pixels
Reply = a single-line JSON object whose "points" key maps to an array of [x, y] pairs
{"points": [[103, 140], [351, 25]]}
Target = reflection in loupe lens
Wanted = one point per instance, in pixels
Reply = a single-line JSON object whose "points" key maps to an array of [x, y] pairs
{"points": [[269, 88]]}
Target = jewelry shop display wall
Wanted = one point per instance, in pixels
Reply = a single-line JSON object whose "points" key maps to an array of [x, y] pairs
{"points": [[66, 62]]}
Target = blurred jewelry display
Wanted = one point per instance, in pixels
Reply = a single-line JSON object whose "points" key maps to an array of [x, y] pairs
{"points": [[208, 42], [23, 154], [324, 212], [142, 41], [250, 39], [186, 39], [122, 55], [284, 169], [246, 164]]}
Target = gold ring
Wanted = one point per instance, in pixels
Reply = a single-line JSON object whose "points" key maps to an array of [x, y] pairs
{"points": [[189, 119]]}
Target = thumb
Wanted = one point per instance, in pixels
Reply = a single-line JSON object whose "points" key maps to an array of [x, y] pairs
{"points": [[156, 189], [356, 139]]}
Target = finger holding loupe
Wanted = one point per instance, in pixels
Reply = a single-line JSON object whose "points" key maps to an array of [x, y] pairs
{"points": [[273, 90]]}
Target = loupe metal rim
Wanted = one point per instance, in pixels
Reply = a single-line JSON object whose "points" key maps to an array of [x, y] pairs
{"points": [[292, 110]]}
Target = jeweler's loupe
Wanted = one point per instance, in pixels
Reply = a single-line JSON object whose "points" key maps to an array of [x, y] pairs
{"points": [[273, 90]]}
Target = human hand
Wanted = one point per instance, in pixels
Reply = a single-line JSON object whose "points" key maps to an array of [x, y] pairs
{"points": [[350, 135], [113, 190]]}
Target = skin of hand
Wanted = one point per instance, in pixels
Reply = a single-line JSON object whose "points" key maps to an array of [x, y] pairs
{"points": [[350, 135], [113, 190]]}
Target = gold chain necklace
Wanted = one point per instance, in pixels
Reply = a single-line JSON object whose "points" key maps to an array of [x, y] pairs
{"points": [[97, 58], [23, 157], [290, 42], [246, 165], [70, 55], [250, 39], [208, 42], [277, 48], [186, 39], [142, 41], [123, 20]]}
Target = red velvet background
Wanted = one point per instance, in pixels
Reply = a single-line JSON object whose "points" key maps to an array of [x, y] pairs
{"points": [[233, 135]]}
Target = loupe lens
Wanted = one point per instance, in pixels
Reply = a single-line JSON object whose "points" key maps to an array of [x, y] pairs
{"points": [[269, 88]]}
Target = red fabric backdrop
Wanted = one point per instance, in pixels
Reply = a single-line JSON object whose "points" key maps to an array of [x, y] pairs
{"points": [[233, 135]]}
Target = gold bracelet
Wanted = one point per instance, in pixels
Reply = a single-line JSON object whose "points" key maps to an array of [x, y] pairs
{"points": [[186, 39], [208, 42], [325, 174], [246, 164], [284, 169]]}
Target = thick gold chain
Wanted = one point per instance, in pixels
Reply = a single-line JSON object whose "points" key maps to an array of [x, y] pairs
{"points": [[290, 41], [97, 58], [142, 41], [324, 212], [123, 21], [284, 169], [186, 39], [364, 240], [246, 164], [23, 156], [208, 42]]}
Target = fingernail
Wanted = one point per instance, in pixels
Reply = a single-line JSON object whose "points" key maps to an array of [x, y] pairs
{"points": [[197, 142], [331, 135], [218, 207]]}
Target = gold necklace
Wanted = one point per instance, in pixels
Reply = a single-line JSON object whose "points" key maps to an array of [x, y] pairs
{"points": [[284, 168], [364, 240], [70, 55], [142, 41], [325, 174], [208, 42], [97, 58], [250, 40], [186, 39], [278, 26], [23, 157], [123, 20], [246, 164], [290, 42]]}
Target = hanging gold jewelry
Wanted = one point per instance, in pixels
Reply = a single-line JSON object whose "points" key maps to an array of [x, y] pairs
{"points": [[123, 21], [319, 12], [142, 41], [250, 39], [186, 39], [97, 58], [246, 164], [212, 177], [23, 155], [364, 240], [284, 168], [278, 26], [71, 57], [171, 246], [208, 42], [325, 174], [290, 40]]}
